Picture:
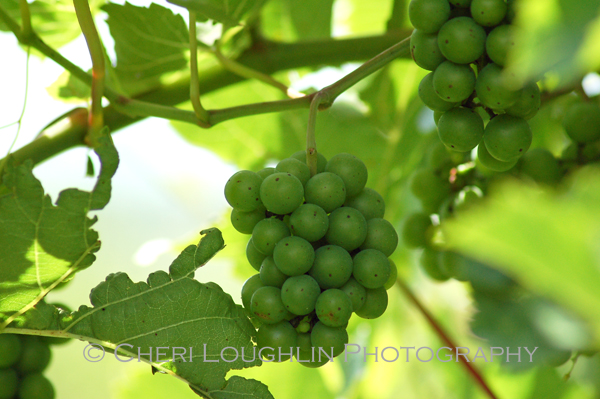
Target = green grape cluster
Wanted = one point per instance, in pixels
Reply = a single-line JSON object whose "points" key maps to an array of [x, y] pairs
{"points": [[464, 43], [321, 248], [23, 358]]}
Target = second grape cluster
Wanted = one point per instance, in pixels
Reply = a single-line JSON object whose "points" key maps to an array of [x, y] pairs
{"points": [[320, 246]]}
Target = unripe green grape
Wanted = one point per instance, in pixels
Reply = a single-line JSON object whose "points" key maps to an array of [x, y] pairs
{"points": [[304, 343], [303, 328], [266, 304], [428, 15], [326, 190], [347, 228], [499, 43], [242, 190], [310, 222], [332, 266], [10, 349], [310, 358], [430, 98], [244, 222], [511, 11], [356, 292], [333, 307], [267, 233], [331, 339], [582, 122], [321, 160], [263, 173], [352, 171], [461, 3], [417, 230], [36, 386], [425, 51], [461, 40], [293, 255], [375, 304], [371, 268], [393, 275], [299, 294], [249, 288], [270, 273], [429, 187], [492, 163], [254, 256], [466, 198], [35, 355], [528, 103], [9, 381], [436, 116], [439, 156], [295, 167], [492, 90], [368, 202], [557, 357], [488, 12], [281, 193], [381, 236], [453, 82], [541, 166], [454, 265], [282, 337], [431, 263], [507, 137], [460, 129]]}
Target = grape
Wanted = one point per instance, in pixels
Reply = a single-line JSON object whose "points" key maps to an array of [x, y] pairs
{"points": [[368, 202], [375, 304], [436, 116], [428, 15], [528, 103], [431, 263], [347, 228], [282, 337], [310, 222], [454, 265], [304, 342], [333, 307], [263, 173], [557, 357], [499, 43], [330, 339], [461, 40], [393, 276], [429, 187], [356, 292], [461, 3], [438, 156], [249, 288], [460, 129], [492, 163], [9, 381], [294, 255], [507, 137], [267, 233], [296, 168], [326, 190], [270, 274], [321, 160], [36, 386], [491, 89], [299, 294], [417, 229], [488, 12], [244, 222], [332, 267], [582, 122], [425, 51], [35, 355], [242, 190], [541, 166], [254, 256], [311, 358], [430, 98], [281, 193], [352, 171], [453, 82], [266, 304], [511, 11], [371, 268], [381, 236], [10, 349]]}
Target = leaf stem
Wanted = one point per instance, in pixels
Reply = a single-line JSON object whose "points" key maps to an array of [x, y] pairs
{"points": [[194, 82], [445, 338]]}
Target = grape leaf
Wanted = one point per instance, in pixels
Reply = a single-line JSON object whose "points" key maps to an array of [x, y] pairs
{"points": [[149, 42], [228, 12], [292, 20], [42, 244]]}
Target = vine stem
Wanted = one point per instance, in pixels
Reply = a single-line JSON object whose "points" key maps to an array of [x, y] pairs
{"points": [[311, 142], [194, 81], [445, 338], [25, 17]]}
